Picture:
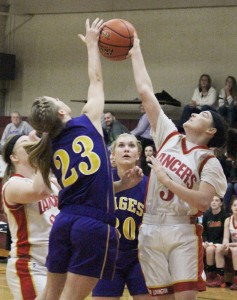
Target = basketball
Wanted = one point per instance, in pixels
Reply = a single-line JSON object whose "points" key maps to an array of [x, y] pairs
{"points": [[116, 39]]}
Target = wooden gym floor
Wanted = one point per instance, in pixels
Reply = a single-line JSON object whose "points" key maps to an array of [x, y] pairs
{"points": [[210, 294]]}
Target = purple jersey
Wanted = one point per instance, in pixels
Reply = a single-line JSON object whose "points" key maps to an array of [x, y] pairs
{"points": [[82, 166], [129, 211]]}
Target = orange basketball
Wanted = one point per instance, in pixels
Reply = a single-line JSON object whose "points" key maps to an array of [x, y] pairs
{"points": [[116, 39]]}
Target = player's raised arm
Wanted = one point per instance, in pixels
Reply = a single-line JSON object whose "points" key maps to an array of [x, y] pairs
{"points": [[144, 84], [95, 101]]}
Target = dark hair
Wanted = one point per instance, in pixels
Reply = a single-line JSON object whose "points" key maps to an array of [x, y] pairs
{"points": [[222, 206], [6, 154], [234, 86], [209, 82], [233, 198], [45, 120], [219, 139], [152, 146], [231, 146], [110, 112]]}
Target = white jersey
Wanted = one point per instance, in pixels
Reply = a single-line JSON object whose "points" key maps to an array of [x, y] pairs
{"points": [[233, 230], [30, 224], [187, 164]]}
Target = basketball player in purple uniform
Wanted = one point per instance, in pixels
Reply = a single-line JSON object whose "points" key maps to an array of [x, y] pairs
{"points": [[83, 243], [129, 207]]}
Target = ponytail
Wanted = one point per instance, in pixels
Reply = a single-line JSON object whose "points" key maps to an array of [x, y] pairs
{"points": [[45, 120], [40, 156]]}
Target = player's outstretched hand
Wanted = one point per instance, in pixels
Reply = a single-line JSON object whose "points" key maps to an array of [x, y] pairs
{"points": [[130, 179], [159, 170], [92, 32]]}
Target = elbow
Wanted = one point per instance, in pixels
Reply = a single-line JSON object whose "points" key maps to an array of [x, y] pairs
{"points": [[204, 205], [203, 208], [144, 90], [42, 192]]}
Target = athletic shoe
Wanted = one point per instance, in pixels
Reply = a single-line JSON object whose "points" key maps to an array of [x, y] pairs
{"points": [[234, 284], [211, 277], [218, 282]]}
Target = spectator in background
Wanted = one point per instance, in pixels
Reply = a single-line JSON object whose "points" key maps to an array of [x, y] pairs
{"points": [[221, 155], [17, 126], [232, 182], [228, 101], [229, 245], [204, 98], [148, 152], [213, 229], [113, 127], [142, 131], [231, 166]]}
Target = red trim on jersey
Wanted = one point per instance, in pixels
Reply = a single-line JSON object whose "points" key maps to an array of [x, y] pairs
{"points": [[12, 206], [23, 245], [161, 291], [185, 149], [199, 285], [23, 248], [233, 222], [204, 162], [166, 140], [17, 175], [198, 214], [27, 284], [190, 286]]}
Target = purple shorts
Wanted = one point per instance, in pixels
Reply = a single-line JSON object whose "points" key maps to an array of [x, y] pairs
{"points": [[128, 271], [82, 245]]}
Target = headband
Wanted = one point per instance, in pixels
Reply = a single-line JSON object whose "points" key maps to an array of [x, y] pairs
{"points": [[219, 138], [10, 146]]}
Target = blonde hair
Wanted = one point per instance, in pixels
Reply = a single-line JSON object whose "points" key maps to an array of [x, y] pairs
{"points": [[44, 119], [114, 144]]}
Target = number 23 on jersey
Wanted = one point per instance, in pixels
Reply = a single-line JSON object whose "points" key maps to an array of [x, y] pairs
{"points": [[82, 145]]}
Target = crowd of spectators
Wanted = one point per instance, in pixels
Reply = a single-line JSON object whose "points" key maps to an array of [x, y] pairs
{"points": [[205, 97]]}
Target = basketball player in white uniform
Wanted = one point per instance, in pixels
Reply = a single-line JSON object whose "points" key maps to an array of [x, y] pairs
{"points": [[31, 209], [184, 178]]}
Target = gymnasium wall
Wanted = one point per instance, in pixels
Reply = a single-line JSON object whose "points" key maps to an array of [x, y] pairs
{"points": [[178, 46]]}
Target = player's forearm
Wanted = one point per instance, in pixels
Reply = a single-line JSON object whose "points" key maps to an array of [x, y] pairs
{"points": [[232, 244], [194, 198], [141, 76], [118, 186], [94, 63]]}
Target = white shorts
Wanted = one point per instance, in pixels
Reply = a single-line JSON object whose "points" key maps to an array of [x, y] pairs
{"points": [[170, 254], [26, 279]]}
